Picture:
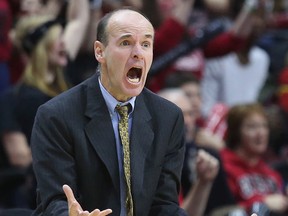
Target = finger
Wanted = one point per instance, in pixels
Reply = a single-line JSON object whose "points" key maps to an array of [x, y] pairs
{"points": [[105, 212], [97, 212], [84, 213], [73, 205], [69, 194], [199, 156], [75, 209], [202, 156]]}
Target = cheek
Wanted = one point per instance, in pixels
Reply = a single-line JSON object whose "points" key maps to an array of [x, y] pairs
{"points": [[56, 58], [53, 55], [250, 135], [149, 60], [30, 6], [247, 136], [194, 100], [116, 62]]}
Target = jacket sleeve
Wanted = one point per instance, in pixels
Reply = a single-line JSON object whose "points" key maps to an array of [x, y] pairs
{"points": [[52, 162]]}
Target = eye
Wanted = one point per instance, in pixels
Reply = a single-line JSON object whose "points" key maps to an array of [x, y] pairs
{"points": [[146, 44], [125, 43]]}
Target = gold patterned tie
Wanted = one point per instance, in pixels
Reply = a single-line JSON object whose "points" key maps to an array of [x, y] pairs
{"points": [[124, 135]]}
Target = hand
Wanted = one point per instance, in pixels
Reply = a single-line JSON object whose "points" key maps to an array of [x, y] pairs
{"points": [[17, 149], [76, 210], [182, 10], [277, 202], [206, 138], [207, 166]]}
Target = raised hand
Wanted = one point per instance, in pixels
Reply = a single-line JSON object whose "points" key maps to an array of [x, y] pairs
{"points": [[207, 166]]}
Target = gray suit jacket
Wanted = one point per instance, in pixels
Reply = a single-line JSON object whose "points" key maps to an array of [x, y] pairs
{"points": [[73, 143]]}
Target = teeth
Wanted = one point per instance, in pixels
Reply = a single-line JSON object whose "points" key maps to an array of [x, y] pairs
{"points": [[134, 80]]}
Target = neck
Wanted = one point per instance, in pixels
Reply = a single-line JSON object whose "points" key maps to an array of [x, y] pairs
{"points": [[50, 75], [249, 158]]}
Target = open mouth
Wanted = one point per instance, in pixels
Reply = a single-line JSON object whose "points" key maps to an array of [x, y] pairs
{"points": [[62, 53], [134, 75]]}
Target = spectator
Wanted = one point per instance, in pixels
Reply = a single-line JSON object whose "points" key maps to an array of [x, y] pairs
{"points": [[200, 167], [250, 179], [56, 9], [173, 18], [237, 77], [202, 136], [20, 103], [44, 42], [22, 9]]}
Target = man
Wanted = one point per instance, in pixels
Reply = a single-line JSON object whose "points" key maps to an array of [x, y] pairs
{"points": [[201, 131], [200, 168], [75, 139]]}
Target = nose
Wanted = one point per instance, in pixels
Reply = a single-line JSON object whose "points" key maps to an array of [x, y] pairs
{"points": [[137, 52]]}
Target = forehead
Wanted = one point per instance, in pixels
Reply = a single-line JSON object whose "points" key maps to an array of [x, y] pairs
{"points": [[254, 116], [129, 22]]}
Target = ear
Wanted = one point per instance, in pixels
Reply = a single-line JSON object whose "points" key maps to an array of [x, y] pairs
{"points": [[99, 51]]}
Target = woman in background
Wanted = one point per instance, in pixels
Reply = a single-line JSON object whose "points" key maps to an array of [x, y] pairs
{"points": [[47, 47], [42, 79], [250, 179]]}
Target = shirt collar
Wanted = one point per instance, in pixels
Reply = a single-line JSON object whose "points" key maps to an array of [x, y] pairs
{"points": [[111, 102]]}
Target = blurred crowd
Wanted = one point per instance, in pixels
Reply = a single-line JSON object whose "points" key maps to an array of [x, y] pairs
{"points": [[223, 62]]}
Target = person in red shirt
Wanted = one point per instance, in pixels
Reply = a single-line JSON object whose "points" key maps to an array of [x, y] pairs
{"points": [[172, 21], [249, 177]]}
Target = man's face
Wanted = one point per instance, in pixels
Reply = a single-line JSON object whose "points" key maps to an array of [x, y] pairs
{"points": [[127, 58], [166, 7], [31, 6], [189, 116], [192, 90]]}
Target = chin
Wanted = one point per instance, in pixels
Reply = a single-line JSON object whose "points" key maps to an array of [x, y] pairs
{"points": [[62, 62], [134, 92], [260, 151]]}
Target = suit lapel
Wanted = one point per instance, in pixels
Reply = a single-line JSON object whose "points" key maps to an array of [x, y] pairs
{"points": [[141, 140], [99, 130]]}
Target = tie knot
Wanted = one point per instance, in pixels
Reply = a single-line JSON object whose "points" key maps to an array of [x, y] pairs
{"points": [[122, 110]]}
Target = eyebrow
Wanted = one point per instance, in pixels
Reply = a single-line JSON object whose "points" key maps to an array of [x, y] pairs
{"points": [[148, 36]]}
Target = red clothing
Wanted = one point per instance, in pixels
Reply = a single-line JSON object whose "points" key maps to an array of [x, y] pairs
{"points": [[171, 33], [6, 24], [249, 184], [168, 36], [279, 21], [223, 44], [283, 89]]}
